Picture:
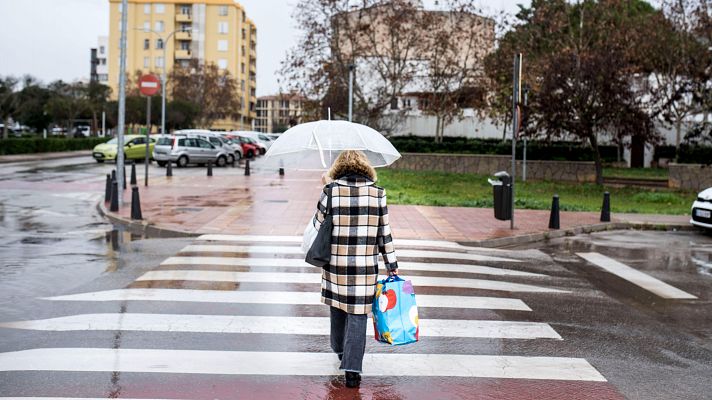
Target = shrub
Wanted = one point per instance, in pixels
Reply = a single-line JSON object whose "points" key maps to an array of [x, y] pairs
{"points": [[29, 146]]}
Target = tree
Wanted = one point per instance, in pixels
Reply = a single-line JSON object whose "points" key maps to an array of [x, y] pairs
{"points": [[380, 39], [97, 98], [213, 91], [67, 101], [8, 101], [32, 104], [581, 61]]}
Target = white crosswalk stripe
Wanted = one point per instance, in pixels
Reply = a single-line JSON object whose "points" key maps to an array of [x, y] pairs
{"points": [[300, 263], [274, 325], [215, 248], [292, 298], [295, 363], [290, 277]]}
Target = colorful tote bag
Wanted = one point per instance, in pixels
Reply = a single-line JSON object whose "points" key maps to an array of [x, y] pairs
{"points": [[395, 313]]}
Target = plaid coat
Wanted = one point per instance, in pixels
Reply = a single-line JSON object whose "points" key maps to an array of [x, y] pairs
{"points": [[361, 232]]}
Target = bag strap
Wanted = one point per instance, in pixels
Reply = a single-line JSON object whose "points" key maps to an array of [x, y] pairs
{"points": [[328, 198]]}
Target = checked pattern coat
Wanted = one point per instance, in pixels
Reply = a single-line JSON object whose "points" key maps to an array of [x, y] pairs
{"points": [[361, 232]]}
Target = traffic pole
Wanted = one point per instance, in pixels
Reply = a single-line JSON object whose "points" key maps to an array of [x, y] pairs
{"points": [[148, 138], [121, 178]]}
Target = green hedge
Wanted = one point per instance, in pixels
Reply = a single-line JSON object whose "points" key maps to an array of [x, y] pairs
{"points": [[559, 151], [28, 146], [687, 154]]}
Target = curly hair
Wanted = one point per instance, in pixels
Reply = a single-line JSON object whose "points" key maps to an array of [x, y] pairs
{"points": [[352, 162]]}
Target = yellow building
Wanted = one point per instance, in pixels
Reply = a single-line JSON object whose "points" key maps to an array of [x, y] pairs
{"points": [[211, 31]]}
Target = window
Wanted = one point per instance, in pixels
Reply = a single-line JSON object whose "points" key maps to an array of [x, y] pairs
{"points": [[159, 8], [186, 10], [159, 62], [242, 50], [222, 45], [184, 45], [244, 34], [222, 63], [102, 49], [146, 8], [159, 26], [146, 26], [242, 85], [147, 62], [215, 141], [204, 144], [121, 8], [222, 27], [222, 11], [242, 68], [102, 61], [159, 44], [146, 44], [103, 77]]}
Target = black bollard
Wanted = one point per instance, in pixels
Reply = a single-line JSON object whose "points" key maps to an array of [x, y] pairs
{"points": [[114, 196], [281, 172], [169, 169], [247, 167], [107, 189], [124, 176], [133, 173], [135, 204], [554, 217], [113, 174], [606, 209], [210, 168]]}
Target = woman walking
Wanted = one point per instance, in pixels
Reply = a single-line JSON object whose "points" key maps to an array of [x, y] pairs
{"points": [[361, 232]]}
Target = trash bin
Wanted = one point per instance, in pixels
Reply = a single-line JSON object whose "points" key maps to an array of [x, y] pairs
{"points": [[502, 188]]}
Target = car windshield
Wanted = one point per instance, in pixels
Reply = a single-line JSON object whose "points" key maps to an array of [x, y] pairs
{"points": [[113, 141], [165, 141]]}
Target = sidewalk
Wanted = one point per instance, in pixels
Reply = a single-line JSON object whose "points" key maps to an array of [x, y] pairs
{"points": [[267, 204], [43, 156]]}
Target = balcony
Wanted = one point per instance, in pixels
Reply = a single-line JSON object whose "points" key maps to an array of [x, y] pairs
{"points": [[187, 35], [183, 54], [184, 17]]}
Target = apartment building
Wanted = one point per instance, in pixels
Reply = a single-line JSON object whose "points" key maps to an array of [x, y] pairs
{"points": [[277, 113], [171, 33], [99, 60]]}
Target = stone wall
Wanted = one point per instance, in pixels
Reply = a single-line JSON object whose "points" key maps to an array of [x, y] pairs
{"points": [[694, 177], [564, 171]]}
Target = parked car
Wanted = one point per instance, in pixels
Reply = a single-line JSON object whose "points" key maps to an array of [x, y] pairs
{"points": [[234, 144], [261, 149], [249, 150], [82, 131], [702, 210], [259, 137], [214, 138], [188, 149], [134, 148]]}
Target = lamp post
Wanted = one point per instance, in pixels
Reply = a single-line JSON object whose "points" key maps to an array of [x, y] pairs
{"points": [[352, 67], [122, 104]]}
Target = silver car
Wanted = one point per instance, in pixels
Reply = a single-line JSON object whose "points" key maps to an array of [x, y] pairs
{"points": [[215, 139], [188, 149]]}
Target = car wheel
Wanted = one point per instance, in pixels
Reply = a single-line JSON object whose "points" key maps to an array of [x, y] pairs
{"points": [[182, 161], [222, 161], [162, 163], [238, 156], [231, 159], [100, 161], [263, 151]]}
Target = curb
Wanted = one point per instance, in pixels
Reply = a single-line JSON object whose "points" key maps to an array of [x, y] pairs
{"points": [[149, 230], [142, 228], [47, 156]]}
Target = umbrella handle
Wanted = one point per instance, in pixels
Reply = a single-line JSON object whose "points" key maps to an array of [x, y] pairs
{"points": [[318, 146]]}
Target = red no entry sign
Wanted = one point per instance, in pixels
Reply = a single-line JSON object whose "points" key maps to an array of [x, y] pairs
{"points": [[149, 85]]}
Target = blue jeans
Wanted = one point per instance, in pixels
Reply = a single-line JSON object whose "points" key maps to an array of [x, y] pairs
{"points": [[348, 338]]}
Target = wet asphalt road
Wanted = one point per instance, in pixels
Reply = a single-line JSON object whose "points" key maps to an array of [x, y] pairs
{"points": [[53, 243]]}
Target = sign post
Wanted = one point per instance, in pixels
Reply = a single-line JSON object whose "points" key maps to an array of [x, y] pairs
{"points": [[516, 101], [148, 85]]}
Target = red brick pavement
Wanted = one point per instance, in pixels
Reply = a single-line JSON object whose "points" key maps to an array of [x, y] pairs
{"points": [[273, 205]]}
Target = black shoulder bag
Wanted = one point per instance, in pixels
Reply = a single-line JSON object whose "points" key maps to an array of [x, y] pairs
{"points": [[319, 253]]}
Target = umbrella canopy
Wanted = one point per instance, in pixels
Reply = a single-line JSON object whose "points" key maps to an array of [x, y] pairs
{"points": [[315, 145]]}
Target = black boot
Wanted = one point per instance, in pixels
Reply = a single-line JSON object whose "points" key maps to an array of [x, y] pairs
{"points": [[353, 379]]}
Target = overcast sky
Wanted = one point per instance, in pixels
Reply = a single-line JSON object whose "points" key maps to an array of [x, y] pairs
{"points": [[50, 39]]}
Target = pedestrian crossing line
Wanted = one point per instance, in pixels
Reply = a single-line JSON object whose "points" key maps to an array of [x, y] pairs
{"points": [[275, 325], [290, 298], [295, 363], [636, 277], [213, 248], [300, 263], [418, 243], [286, 277]]}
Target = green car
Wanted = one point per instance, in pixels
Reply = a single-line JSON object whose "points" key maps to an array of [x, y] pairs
{"points": [[134, 149]]}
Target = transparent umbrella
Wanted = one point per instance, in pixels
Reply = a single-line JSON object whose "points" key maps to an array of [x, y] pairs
{"points": [[315, 145]]}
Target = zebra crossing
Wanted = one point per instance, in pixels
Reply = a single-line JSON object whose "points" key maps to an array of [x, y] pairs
{"points": [[491, 279]]}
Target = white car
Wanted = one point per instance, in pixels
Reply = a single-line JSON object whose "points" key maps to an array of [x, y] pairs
{"points": [[702, 210]]}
